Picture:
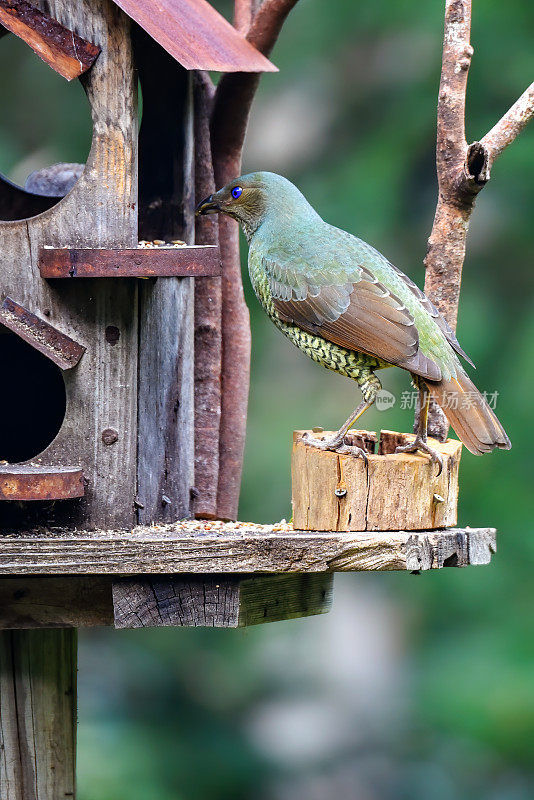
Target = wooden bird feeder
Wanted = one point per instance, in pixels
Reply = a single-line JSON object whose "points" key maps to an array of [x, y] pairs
{"points": [[105, 469]]}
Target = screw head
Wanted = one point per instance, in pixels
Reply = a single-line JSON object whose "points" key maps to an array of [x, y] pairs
{"points": [[340, 492], [110, 436]]}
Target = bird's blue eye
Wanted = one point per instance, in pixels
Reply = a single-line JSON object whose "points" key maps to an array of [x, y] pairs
{"points": [[236, 192]]}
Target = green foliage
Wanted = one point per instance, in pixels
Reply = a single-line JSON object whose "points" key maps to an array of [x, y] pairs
{"points": [[165, 714]]}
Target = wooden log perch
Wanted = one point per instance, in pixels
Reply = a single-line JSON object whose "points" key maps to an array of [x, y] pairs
{"points": [[62, 49], [463, 170], [393, 491]]}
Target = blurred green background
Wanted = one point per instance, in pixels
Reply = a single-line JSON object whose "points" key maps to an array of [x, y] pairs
{"points": [[412, 687]]}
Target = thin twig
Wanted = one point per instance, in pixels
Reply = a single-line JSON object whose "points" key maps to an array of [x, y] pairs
{"points": [[510, 125]]}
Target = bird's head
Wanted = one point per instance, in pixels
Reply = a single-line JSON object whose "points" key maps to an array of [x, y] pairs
{"points": [[250, 199]]}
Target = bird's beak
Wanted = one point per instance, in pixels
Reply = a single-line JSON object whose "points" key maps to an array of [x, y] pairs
{"points": [[207, 206]]}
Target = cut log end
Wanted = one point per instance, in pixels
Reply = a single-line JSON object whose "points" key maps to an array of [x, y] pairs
{"points": [[394, 491]]}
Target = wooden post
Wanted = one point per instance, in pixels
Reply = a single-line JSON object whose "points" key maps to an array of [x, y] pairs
{"points": [[38, 714]]}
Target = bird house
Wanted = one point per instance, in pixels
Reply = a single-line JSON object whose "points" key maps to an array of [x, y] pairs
{"points": [[102, 436]]}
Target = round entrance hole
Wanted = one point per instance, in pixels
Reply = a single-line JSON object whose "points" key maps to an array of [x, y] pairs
{"points": [[45, 120], [32, 401]]}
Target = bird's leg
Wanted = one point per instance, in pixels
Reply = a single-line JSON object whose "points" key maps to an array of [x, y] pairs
{"points": [[369, 385], [420, 429]]}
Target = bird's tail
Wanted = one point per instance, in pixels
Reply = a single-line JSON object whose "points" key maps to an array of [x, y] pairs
{"points": [[469, 414]]}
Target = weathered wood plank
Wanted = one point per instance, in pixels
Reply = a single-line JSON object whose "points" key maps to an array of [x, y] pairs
{"points": [[208, 321], [58, 46], [165, 469], [100, 211], [157, 262], [221, 601], [392, 491], [50, 602], [179, 600], [190, 547], [481, 544], [38, 714]]}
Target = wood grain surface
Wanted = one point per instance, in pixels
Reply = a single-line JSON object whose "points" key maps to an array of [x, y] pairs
{"points": [[165, 442], [219, 601], [61, 48], [38, 719], [51, 602], [393, 491], [240, 547], [99, 212]]}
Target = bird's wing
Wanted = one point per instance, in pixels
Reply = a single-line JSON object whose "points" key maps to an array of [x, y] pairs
{"points": [[433, 311], [349, 307]]}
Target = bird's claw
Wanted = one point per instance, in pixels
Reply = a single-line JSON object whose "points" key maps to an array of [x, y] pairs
{"points": [[335, 444], [420, 445]]}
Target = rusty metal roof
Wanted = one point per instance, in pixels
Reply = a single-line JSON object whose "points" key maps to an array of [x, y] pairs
{"points": [[196, 35]]}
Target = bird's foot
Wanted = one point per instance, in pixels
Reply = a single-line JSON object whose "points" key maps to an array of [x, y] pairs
{"points": [[419, 444], [335, 444]]}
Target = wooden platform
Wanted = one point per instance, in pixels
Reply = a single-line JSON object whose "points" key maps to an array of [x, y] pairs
{"points": [[207, 548]]}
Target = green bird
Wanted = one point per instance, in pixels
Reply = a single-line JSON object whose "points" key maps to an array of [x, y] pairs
{"points": [[348, 308]]}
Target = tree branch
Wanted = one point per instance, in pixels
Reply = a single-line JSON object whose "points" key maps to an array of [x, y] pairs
{"points": [[267, 24], [510, 126], [462, 169], [446, 245], [244, 11], [457, 52]]}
